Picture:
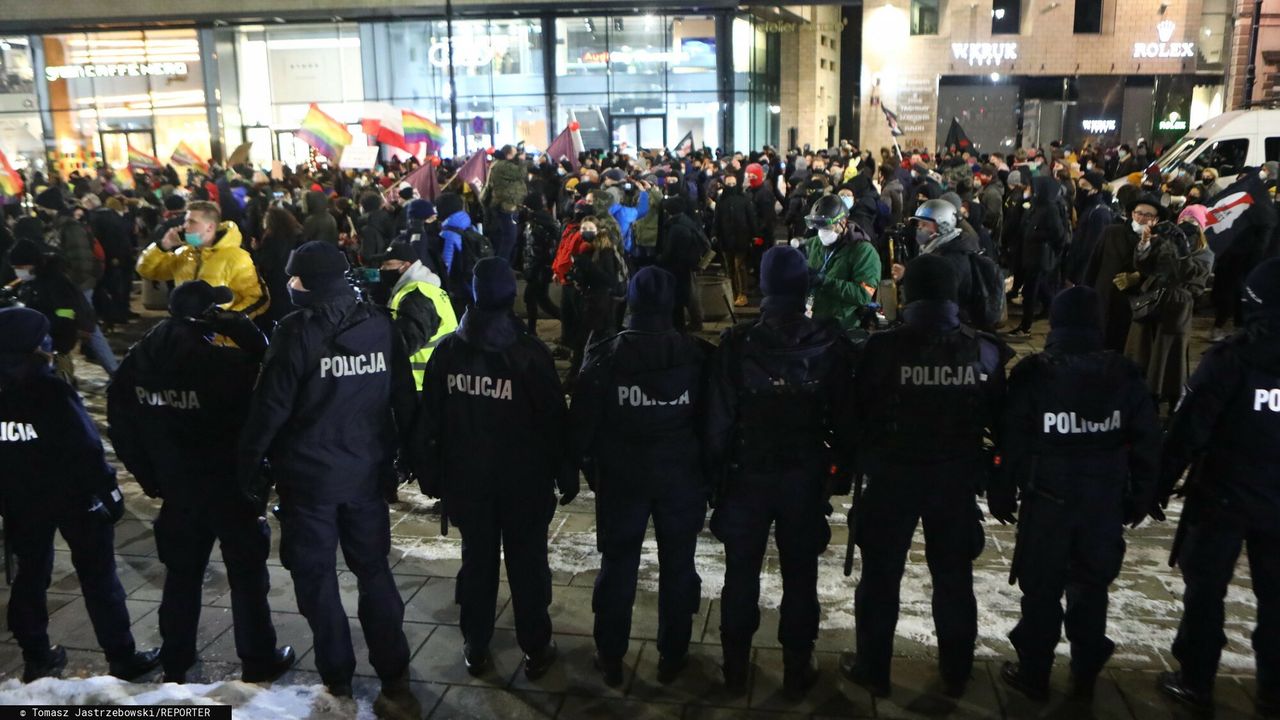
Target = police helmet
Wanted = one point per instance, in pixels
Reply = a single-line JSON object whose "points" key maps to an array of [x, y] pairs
{"points": [[826, 212], [942, 214]]}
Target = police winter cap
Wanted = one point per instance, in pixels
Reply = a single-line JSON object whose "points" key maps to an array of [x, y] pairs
{"points": [[316, 259], [494, 285], [652, 292], [194, 298], [784, 272], [1076, 308], [1262, 289], [930, 277], [420, 209], [449, 203], [22, 330]]}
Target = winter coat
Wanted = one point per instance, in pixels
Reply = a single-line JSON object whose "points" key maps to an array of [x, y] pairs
{"points": [[1161, 348], [506, 187], [1112, 256], [223, 263], [736, 224], [319, 224], [376, 230], [75, 245], [1045, 230], [849, 271]]}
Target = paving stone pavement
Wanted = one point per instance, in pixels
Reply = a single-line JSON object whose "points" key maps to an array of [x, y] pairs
{"points": [[1144, 613]]}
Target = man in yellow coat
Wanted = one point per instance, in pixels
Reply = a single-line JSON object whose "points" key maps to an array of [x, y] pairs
{"points": [[207, 249]]}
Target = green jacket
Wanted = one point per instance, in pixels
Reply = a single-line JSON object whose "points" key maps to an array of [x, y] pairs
{"points": [[506, 187], [645, 230], [849, 277]]}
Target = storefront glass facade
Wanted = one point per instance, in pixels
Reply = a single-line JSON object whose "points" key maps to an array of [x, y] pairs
{"points": [[631, 81]]}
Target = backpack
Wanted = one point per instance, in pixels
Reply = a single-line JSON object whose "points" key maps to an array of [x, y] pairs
{"points": [[475, 247], [986, 304]]}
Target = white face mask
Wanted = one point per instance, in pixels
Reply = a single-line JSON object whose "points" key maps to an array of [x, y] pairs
{"points": [[847, 200], [23, 274], [1137, 226], [828, 237]]}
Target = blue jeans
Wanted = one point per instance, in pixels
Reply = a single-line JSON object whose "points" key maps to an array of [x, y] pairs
{"points": [[102, 354]]}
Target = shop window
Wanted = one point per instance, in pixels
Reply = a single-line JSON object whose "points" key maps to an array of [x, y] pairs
{"points": [[1088, 19], [1227, 156], [20, 125], [1006, 17], [1215, 25], [924, 17]]}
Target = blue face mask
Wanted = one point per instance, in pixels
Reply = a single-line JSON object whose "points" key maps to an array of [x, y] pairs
{"points": [[847, 200], [192, 239]]}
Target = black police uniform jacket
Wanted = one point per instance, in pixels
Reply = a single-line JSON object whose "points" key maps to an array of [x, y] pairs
{"points": [[334, 393], [927, 393], [175, 410], [49, 448], [636, 410], [1080, 429], [493, 419], [775, 390], [1229, 421]]}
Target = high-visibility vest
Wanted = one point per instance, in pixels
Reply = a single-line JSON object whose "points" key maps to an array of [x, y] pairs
{"points": [[448, 323]]}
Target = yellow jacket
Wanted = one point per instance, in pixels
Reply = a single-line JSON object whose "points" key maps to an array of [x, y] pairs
{"points": [[224, 263]]}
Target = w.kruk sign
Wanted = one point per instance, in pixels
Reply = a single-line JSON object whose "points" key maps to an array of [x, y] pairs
{"points": [[985, 53]]}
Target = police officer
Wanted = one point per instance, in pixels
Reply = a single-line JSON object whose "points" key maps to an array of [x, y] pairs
{"points": [[175, 409], [1227, 428], [420, 309], [775, 387], [56, 478], [325, 416], [492, 443], [927, 394], [635, 410], [1081, 445]]}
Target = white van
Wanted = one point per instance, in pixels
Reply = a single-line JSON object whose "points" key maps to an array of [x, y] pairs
{"points": [[1227, 143]]}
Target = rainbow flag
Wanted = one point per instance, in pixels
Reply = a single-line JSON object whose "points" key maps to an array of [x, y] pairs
{"points": [[418, 129], [326, 135], [139, 159], [185, 156], [10, 180]]}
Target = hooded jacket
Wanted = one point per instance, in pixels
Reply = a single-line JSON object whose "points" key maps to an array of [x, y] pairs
{"points": [[223, 263], [319, 223], [1045, 228]]}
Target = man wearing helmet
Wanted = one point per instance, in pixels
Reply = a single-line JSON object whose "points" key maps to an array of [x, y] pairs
{"points": [[844, 266], [938, 233]]}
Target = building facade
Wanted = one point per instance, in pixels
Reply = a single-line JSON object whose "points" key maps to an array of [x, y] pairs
{"points": [[1026, 73]]}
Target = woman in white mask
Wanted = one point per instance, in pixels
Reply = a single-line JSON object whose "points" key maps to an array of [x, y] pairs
{"points": [[844, 267]]}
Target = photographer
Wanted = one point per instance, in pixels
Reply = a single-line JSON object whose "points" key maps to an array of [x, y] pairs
{"points": [[1173, 264]]}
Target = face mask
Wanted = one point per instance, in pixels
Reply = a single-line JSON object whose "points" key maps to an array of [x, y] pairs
{"points": [[588, 235], [388, 278], [192, 239], [1206, 180], [923, 237], [299, 298], [560, 171], [23, 274], [1137, 226], [828, 237], [847, 200], [1122, 155]]}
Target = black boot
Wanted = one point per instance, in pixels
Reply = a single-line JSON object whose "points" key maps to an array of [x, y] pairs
{"points": [[858, 673], [279, 664], [397, 701], [1173, 685], [1034, 688], [476, 659], [1082, 686], [737, 665], [136, 665], [610, 670], [1268, 703], [537, 664], [670, 667], [50, 665], [799, 673]]}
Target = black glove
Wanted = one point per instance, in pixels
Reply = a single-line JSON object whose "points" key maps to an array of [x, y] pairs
{"points": [[1002, 503], [567, 496], [1157, 511], [1133, 515], [239, 329], [589, 473], [109, 506]]}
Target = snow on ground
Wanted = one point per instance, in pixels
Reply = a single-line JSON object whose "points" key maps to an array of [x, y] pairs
{"points": [[1145, 602], [251, 702]]}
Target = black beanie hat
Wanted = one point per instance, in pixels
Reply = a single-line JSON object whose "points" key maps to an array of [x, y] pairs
{"points": [[192, 299], [930, 277], [25, 252], [1076, 308], [784, 272], [1262, 290], [494, 284], [448, 204], [22, 330], [652, 292], [317, 263]]}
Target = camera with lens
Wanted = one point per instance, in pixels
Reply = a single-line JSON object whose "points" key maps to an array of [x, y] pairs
{"points": [[1168, 230]]}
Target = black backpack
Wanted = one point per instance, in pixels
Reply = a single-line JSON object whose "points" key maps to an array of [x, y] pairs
{"points": [[986, 302]]}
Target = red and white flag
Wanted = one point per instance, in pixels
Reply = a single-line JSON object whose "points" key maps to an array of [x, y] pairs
{"points": [[384, 124]]}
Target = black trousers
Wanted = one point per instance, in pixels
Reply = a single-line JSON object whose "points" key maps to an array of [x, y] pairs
{"points": [[92, 544], [537, 295], [1229, 274], [514, 528], [184, 539], [891, 508], [1208, 560], [793, 505], [309, 540], [1076, 551], [622, 516]]}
